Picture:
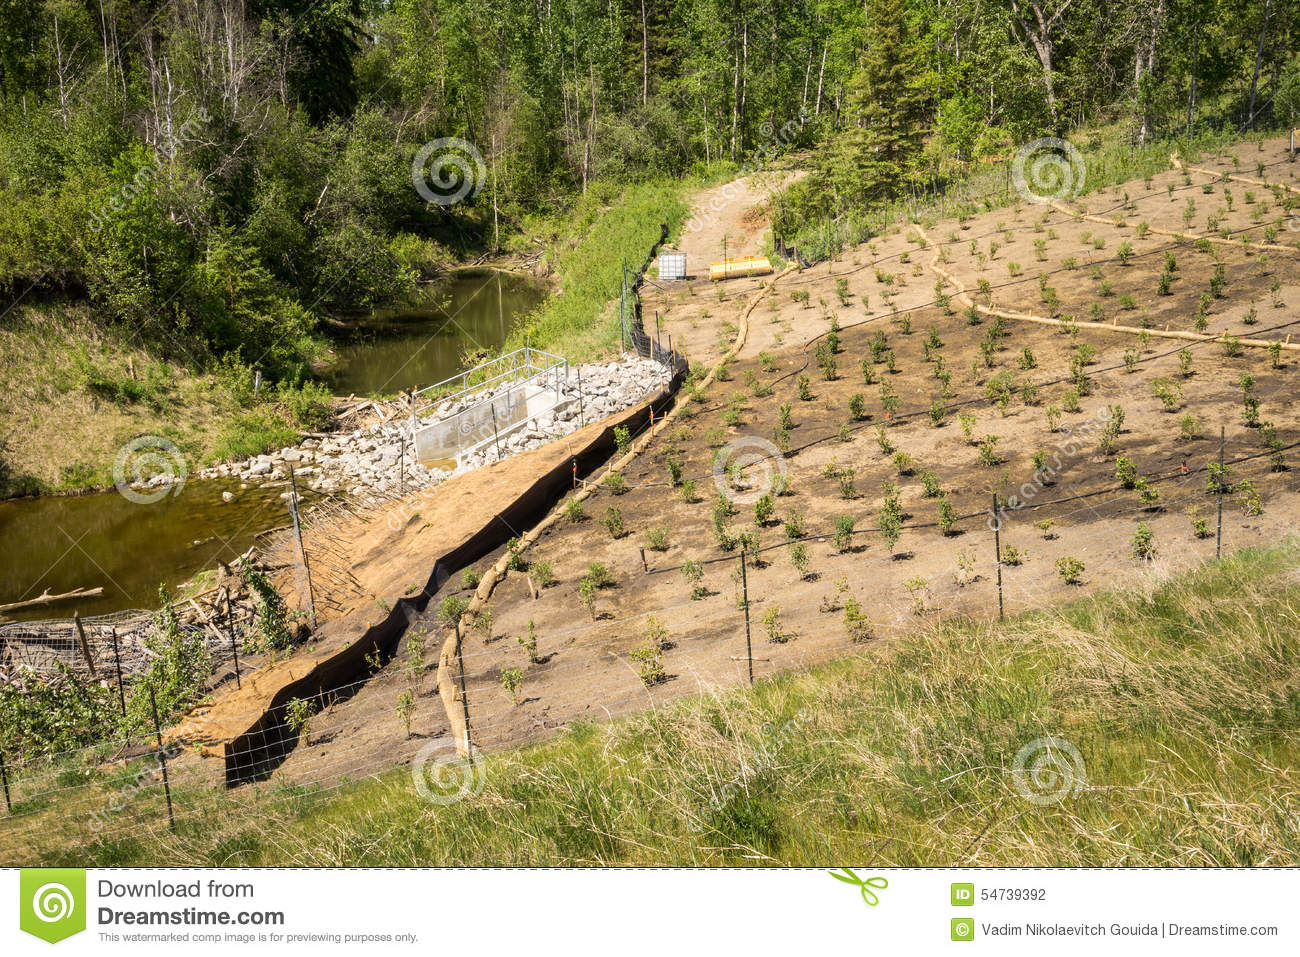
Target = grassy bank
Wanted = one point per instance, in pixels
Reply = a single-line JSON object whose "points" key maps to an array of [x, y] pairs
{"points": [[608, 228], [1182, 699], [76, 391]]}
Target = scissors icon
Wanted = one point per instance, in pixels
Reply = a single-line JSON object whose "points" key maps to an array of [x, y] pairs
{"points": [[868, 895]]}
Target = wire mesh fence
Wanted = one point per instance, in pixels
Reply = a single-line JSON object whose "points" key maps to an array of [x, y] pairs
{"points": [[615, 664]]}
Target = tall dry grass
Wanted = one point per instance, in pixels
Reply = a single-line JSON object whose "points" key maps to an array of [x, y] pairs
{"points": [[1182, 698]]}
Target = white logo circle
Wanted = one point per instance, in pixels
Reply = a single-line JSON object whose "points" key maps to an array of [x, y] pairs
{"points": [[741, 456], [1048, 169], [148, 469], [1048, 770], [53, 902], [443, 777], [456, 170]]}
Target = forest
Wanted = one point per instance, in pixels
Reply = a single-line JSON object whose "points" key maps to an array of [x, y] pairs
{"points": [[218, 175]]}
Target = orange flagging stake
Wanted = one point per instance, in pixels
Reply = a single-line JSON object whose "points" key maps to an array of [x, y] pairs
{"points": [[575, 473]]}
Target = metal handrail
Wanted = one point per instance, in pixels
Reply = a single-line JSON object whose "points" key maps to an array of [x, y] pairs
{"points": [[526, 351]]}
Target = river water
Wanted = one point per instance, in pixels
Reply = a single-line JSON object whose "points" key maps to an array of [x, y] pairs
{"points": [[62, 543]]}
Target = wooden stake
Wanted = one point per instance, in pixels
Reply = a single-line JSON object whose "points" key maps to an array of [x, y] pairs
{"points": [[85, 645]]}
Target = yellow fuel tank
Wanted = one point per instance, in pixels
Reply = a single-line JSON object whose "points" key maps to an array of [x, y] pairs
{"points": [[741, 266]]}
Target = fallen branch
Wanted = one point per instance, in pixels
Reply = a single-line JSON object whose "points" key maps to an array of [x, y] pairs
{"points": [[47, 599]]}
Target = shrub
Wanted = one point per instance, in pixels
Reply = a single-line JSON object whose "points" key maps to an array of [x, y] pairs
{"points": [[843, 537], [615, 482], [656, 538], [543, 574], [1144, 542], [1070, 569], [528, 641], [512, 680], [799, 558], [298, 713], [650, 664], [1126, 471], [674, 466], [794, 526], [764, 509], [947, 516], [574, 510], [614, 522], [469, 578], [988, 454], [771, 621], [450, 610], [968, 422], [622, 438], [693, 574]]}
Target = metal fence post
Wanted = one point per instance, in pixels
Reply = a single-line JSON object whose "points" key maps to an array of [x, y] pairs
{"points": [[464, 695], [1218, 532], [117, 662], [302, 549], [749, 644], [162, 758], [495, 437], [622, 313], [4, 776], [234, 643], [997, 550], [581, 403]]}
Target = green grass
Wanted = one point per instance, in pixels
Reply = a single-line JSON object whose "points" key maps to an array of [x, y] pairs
{"points": [[1182, 698], [75, 392], [609, 228]]}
